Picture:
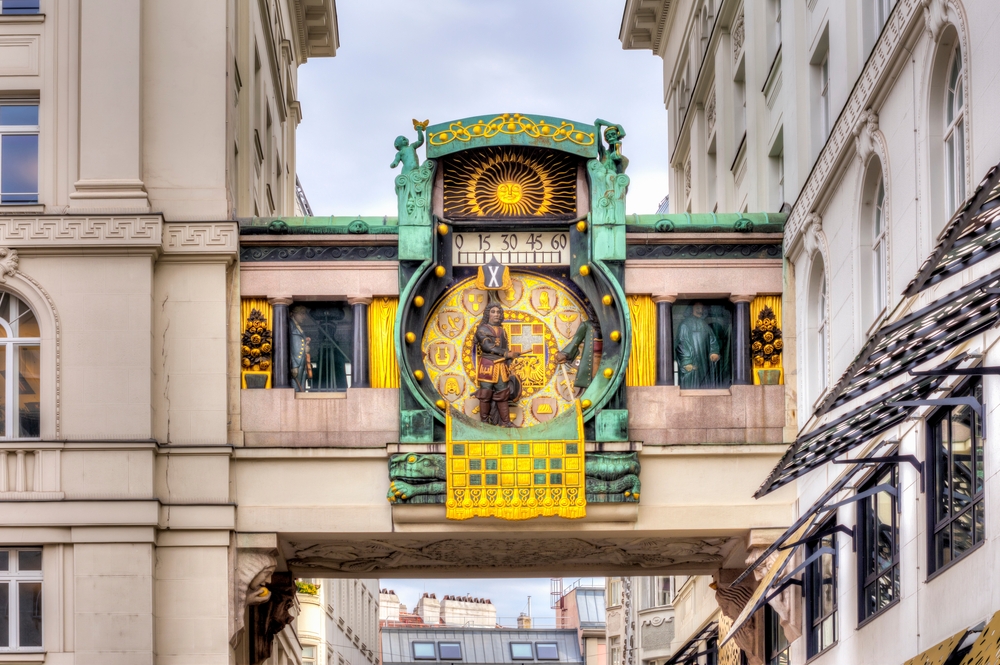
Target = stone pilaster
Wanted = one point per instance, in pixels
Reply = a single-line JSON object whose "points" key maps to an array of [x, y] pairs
{"points": [[664, 339], [742, 365], [359, 355], [279, 336]]}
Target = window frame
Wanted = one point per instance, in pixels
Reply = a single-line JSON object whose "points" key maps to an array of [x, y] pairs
{"points": [[936, 525], [519, 659], [822, 336], [442, 644], [867, 544], [880, 254], [614, 649], [826, 121], [37, 10], [540, 645], [614, 592], [13, 577], [813, 584], [777, 649], [413, 649], [954, 132], [10, 346], [21, 130]]}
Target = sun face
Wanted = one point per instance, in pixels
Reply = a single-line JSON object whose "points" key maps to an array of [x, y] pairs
{"points": [[509, 182]]}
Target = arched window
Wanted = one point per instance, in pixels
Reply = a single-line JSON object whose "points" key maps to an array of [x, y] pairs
{"points": [[818, 333], [20, 358], [874, 242], [954, 133]]}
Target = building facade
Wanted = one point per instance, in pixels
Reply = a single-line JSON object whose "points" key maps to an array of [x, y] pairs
{"points": [[582, 608], [866, 120], [482, 646], [338, 622]]}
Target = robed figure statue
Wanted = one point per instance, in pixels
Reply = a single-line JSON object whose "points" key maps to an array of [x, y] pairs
{"points": [[300, 365], [698, 352], [498, 386]]}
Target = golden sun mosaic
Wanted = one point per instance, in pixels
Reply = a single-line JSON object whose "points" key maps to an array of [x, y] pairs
{"points": [[541, 316]]}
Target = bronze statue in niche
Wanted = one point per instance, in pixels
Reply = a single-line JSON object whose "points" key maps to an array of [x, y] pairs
{"points": [[498, 385], [701, 347]]}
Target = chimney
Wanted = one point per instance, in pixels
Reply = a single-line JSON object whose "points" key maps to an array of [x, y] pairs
{"points": [[429, 609], [524, 621]]}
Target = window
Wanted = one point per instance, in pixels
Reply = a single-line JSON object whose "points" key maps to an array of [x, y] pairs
{"points": [[21, 600], [824, 96], [882, 10], [879, 263], [774, 33], [19, 353], [321, 339], [702, 348], [308, 655], [521, 651], [424, 651], [450, 650], [614, 591], [547, 650], [821, 592], [818, 331], [878, 545], [954, 133], [18, 152], [614, 650], [776, 651], [957, 471], [656, 592], [19, 7]]}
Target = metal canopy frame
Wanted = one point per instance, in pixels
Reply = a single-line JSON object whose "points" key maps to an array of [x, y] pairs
{"points": [[972, 235], [930, 331], [851, 430], [689, 650]]}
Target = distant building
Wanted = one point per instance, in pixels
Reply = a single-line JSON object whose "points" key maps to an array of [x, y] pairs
{"points": [[339, 624], [448, 611], [479, 646], [664, 207], [582, 609]]}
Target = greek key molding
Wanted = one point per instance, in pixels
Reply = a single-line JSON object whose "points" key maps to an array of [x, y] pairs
{"points": [[74, 231], [842, 138], [200, 237]]}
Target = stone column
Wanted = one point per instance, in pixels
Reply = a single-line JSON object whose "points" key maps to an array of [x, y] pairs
{"points": [[359, 355], [279, 342], [742, 364], [664, 340]]}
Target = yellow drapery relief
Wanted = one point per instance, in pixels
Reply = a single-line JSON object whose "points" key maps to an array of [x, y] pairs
{"points": [[382, 361], [642, 362], [255, 339], [776, 354]]}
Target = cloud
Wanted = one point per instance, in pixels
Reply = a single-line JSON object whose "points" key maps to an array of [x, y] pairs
{"points": [[450, 59]]}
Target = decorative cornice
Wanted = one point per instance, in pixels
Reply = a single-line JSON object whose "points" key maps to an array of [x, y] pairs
{"points": [[200, 238], [843, 135], [143, 230], [706, 251], [255, 254]]}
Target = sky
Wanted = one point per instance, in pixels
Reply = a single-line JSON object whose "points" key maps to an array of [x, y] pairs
{"points": [[510, 596], [444, 60]]}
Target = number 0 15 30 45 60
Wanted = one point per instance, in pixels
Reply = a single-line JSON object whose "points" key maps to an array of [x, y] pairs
{"points": [[511, 248]]}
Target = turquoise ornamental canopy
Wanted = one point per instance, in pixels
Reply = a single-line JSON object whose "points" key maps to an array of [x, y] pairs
{"points": [[540, 131]]}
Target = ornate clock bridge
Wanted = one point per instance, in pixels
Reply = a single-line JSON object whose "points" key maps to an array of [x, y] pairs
{"points": [[538, 382]]}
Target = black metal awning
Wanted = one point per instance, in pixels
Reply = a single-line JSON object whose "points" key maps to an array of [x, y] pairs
{"points": [[902, 345], [851, 430], [692, 648], [972, 235]]}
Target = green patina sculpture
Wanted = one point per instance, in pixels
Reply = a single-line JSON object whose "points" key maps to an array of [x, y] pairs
{"points": [[585, 339], [612, 477], [417, 478], [421, 478], [697, 351], [607, 174], [413, 185]]}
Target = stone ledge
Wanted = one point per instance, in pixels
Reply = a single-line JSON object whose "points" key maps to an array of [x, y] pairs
{"points": [[434, 513]]}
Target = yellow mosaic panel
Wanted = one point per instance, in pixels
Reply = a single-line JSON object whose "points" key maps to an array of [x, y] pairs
{"points": [[541, 317], [515, 480], [986, 649], [939, 653]]}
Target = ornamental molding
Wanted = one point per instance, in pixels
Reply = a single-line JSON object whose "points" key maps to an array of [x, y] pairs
{"points": [[8, 264], [865, 135], [254, 567], [886, 51], [200, 238], [738, 35], [504, 554], [80, 231], [657, 621]]}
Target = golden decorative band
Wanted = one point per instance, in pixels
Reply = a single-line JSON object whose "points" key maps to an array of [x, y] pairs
{"points": [[512, 124]]}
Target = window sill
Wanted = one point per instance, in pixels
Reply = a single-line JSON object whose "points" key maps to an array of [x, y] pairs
{"points": [[21, 208], [23, 657], [945, 568], [705, 392], [819, 654], [341, 395], [21, 18]]}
